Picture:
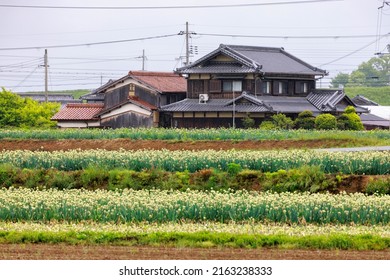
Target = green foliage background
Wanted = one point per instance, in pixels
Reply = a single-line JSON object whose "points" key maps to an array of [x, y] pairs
{"points": [[16, 111]]}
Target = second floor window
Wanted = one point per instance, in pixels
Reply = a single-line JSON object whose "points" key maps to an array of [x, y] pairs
{"points": [[282, 87], [302, 87], [266, 87], [230, 86]]}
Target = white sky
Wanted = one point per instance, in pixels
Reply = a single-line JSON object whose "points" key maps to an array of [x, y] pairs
{"points": [[87, 66]]}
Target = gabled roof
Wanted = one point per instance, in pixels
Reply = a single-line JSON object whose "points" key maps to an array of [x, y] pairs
{"points": [[131, 100], [373, 120], [251, 59], [363, 101], [78, 112], [328, 101], [161, 81]]}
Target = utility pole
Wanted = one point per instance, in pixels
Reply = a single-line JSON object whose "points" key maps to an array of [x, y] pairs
{"points": [[188, 36], [143, 60], [46, 76], [234, 111], [187, 45]]}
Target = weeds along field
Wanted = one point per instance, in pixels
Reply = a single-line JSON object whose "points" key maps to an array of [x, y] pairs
{"points": [[193, 134], [205, 198]]}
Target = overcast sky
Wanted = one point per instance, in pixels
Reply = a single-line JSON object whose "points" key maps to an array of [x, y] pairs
{"points": [[320, 33]]}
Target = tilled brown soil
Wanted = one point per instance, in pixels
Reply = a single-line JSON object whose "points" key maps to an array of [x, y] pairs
{"points": [[79, 252], [128, 144]]}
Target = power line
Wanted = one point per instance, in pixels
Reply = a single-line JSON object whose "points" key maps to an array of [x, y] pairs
{"points": [[166, 7], [90, 44], [289, 37], [355, 51]]}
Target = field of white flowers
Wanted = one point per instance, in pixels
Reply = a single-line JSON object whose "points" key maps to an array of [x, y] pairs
{"points": [[196, 206], [369, 162]]}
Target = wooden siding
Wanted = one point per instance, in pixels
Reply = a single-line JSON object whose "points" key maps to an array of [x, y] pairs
{"points": [[115, 97], [147, 96], [130, 119]]}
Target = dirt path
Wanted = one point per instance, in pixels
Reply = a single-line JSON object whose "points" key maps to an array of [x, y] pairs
{"points": [[127, 144], [69, 252]]}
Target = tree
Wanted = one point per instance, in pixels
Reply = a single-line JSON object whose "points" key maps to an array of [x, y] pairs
{"points": [[357, 79], [25, 112], [325, 121], [340, 79], [10, 108], [372, 73]]}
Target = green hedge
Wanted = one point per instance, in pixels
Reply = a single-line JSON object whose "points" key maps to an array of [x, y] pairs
{"points": [[304, 179]]}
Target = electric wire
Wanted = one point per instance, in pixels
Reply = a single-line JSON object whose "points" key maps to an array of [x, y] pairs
{"points": [[166, 7], [90, 44]]}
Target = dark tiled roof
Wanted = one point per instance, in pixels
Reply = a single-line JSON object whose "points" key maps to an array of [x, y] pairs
{"points": [[214, 105], [93, 97], [289, 104], [325, 100], [373, 120], [221, 68], [52, 97], [256, 60], [328, 101], [266, 103], [78, 112], [363, 101]]}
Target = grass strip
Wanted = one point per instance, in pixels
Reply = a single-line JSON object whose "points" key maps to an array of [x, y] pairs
{"points": [[192, 134], [201, 240]]}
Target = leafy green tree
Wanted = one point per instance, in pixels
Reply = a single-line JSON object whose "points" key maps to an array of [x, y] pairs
{"points": [[372, 73], [357, 79], [10, 108], [25, 112], [325, 121], [340, 79]]}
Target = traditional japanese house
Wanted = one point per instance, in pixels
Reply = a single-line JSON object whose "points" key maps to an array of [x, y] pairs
{"points": [[234, 82]]}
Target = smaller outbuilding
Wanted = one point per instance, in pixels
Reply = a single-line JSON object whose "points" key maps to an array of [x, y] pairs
{"points": [[79, 115]]}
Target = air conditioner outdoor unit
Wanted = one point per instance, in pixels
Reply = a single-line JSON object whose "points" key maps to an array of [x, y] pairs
{"points": [[203, 98]]}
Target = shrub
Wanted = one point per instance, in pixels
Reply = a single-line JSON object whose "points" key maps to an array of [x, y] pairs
{"points": [[248, 122], [267, 125], [379, 186], [350, 110], [342, 122], [282, 121], [349, 120], [305, 179], [233, 168], [305, 120], [94, 177], [325, 121], [7, 175]]}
